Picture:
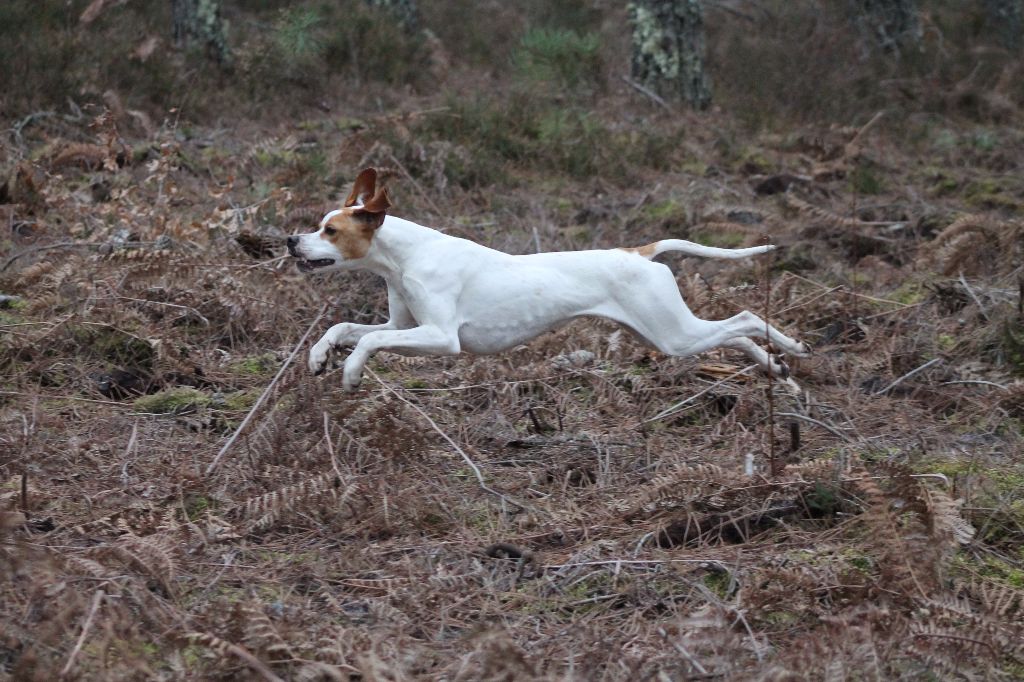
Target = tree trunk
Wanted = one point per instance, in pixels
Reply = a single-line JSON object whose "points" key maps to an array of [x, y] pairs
{"points": [[668, 49], [1004, 19], [405, 11], [892, 24], [201, 21]]}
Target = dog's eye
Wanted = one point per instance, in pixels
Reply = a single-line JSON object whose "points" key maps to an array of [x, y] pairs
{"points": [[329, 231]]}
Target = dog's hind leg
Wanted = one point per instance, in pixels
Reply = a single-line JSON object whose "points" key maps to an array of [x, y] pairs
{"points": [[654, 309], [772, 364]]}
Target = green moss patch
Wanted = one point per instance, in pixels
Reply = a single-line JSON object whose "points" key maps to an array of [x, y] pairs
{"points": [[172, 401], [255, 365]]}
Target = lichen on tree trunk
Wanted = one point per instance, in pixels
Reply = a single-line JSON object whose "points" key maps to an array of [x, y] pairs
{"points": [[668, 49], [201, 21]]}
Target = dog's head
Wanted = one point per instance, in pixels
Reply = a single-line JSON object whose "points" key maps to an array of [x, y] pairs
{"points": [[345, 235]]}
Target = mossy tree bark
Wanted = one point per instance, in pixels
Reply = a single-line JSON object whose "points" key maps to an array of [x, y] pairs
{"points": [[1005, 19], [668, 49], [892, 24], [201, 21], [405, 11]]}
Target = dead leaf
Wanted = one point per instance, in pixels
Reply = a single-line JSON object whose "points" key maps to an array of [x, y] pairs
{"points": [[146, 48]]}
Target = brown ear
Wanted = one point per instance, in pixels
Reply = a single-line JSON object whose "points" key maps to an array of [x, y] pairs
{"points": [[363, 188], [380, 202]]}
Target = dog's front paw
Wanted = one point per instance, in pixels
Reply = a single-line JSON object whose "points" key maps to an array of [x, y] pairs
{"points": [[318, 357], [803, 350], [352, 375]]}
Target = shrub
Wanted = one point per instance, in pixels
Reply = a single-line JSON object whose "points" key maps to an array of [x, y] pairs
{"points": [[521, 129], [559, 57]]}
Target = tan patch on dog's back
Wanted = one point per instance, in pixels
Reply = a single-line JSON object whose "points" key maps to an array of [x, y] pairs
{"points": [[648, 251], [352, 234]]}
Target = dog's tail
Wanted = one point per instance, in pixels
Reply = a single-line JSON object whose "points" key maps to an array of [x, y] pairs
{"points": [[691, 249]]}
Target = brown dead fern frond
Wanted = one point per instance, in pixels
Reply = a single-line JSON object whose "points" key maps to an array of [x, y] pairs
{"points": [[317, 671], [34, 273], [320, 491], [957, 247], [745, 235], [948, 526], [150, 556], [970, 223], [822, 216], [1002, 601], [823, 469], [261, 634], [225, 648], [89, 567], [83, 155], [307, 216], [905, 566], [975, 244], [681, 487]]}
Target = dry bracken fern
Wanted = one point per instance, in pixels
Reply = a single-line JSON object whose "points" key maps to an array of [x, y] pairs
{"points": [[975, 244], [261, 512], [822, 216], [80, 154], [261, 634]]}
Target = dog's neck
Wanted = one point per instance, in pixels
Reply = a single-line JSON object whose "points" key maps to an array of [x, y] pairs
{"points": [[395, 242]]}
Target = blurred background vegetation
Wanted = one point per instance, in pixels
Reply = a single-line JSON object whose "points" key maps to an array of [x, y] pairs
{"points": [[153, 156], [770, 62]]}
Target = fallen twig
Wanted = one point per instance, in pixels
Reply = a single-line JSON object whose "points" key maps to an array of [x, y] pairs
{"points": [[669, 411], [812, 420], [97, 598], [907, 376], [640, 562], [455, 446], [974, 297], [263, 396], [47, 247]]}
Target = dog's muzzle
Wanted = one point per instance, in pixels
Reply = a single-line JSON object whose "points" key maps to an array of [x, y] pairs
{"points": [[304, 264]]}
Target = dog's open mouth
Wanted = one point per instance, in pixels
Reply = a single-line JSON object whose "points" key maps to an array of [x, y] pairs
{"points": [[308, 265]]}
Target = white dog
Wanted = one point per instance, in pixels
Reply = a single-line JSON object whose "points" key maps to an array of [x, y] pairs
{"points": [[447, 295]]}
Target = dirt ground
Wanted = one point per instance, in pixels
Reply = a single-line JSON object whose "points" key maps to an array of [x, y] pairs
{"points": [[180, 499]]}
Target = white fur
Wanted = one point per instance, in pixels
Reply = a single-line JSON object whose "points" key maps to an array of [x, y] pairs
{"points": [[447, 295]]}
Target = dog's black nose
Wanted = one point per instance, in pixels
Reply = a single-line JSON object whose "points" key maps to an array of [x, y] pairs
{"points": [[292, 242]]}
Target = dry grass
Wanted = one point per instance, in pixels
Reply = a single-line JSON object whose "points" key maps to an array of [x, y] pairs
{"points": [[344, 537]]}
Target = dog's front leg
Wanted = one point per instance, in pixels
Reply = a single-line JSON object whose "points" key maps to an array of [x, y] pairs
{"points": [[425, 340], [344, 334], [349, 333]]}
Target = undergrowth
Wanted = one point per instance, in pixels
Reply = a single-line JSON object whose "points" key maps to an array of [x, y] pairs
{"points": [[656, 518]]}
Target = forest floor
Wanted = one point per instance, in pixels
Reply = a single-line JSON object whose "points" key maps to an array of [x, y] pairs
{"points": [[620, 532]]}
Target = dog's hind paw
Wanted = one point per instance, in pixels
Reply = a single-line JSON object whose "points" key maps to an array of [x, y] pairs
{"points": [[779, 368]]}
